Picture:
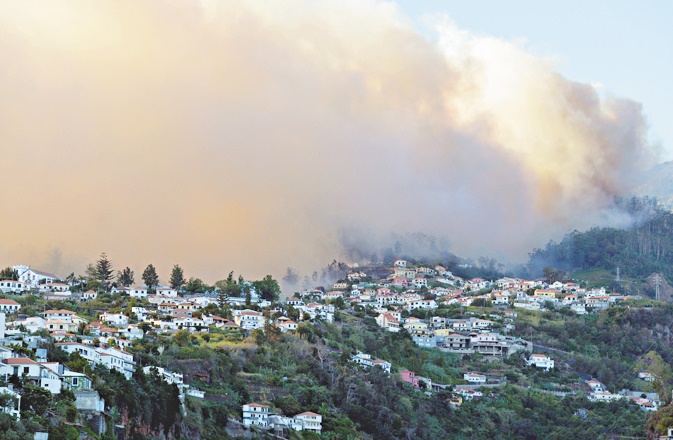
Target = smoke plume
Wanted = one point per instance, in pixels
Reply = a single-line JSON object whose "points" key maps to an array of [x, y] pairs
{"points": [[249, 135]]}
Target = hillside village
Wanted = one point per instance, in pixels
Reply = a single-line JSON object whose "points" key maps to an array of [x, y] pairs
{"points": [[476, 320]]}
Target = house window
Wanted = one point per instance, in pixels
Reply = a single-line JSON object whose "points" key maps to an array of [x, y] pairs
{"points": [[75, 381], [26, 370]]}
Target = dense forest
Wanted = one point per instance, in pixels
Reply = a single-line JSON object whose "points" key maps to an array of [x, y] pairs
{"points": [[645, 247]]}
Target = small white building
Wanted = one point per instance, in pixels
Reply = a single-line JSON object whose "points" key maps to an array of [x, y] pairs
{"points": [[366, 361], [475, 378], [646, 376], [117, 319], [167, 292], [541, 361]]}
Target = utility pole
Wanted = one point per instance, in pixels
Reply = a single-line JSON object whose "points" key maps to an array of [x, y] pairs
{"points": [[617, 278], [656, 284]]}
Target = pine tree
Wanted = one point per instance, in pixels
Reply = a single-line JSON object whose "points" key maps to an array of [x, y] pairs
{"points": [[150, 277], [103, 271], [177, 278]]}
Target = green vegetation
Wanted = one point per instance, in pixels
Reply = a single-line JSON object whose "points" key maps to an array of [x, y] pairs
{"points": [[639, 251]]}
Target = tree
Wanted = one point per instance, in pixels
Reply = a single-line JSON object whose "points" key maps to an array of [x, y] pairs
{"points": [[291, 278], [177, 278], [662, 371], [35, 399], [229, 288], [150, 277], [195, 285], [125, 277], [103, 271], [267, 288], [8, 274], [91, 273]]}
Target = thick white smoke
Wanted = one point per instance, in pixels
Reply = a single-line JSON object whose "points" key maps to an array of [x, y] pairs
{"points": [[244, 135]]}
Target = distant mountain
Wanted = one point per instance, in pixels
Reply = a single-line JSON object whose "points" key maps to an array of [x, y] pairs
{"points": [[659, 184]]}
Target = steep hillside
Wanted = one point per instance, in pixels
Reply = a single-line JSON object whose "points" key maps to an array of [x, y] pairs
{"points": [[659, 184], [639, 251]]}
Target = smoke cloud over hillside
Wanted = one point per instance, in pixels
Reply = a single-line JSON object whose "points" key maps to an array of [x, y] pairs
{"points": [[249, 136]]}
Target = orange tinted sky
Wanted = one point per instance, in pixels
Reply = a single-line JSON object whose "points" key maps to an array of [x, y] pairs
{"points": [[245, 135]]}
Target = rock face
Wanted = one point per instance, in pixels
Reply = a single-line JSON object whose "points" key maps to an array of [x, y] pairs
{"points": [[193, 370]]}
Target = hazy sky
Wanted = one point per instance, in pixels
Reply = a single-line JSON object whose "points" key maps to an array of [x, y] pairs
{"points": [[256, 135], [622, 45]]}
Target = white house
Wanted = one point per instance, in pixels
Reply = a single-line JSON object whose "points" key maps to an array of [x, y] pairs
{"points": [[116, 359], [168, 376], [86, 351], [595, 386], [32, 323], [604, 396], [469, 393], [285, 324], [167, 292], [13, 286], [541, 361], [366, 361], [89, 295], [138, 292], [249, 320], [33, 278], [420, 282], [423, 304], [9, 306], [62, 314], [311, 421], [54, 287], [21, 366], [388, 321], [474, 378], [117, 319], [255, 414]]}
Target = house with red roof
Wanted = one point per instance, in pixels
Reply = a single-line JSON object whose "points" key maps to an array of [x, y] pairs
{"points": [[388, 322], [311, 421], [9, 306], [255, 414]]}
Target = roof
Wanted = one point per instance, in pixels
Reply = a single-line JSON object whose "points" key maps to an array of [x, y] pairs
{"points": [[45, 274], [19, 361], [309, 413], [257, 404], [59, 311], [9, 302]]}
